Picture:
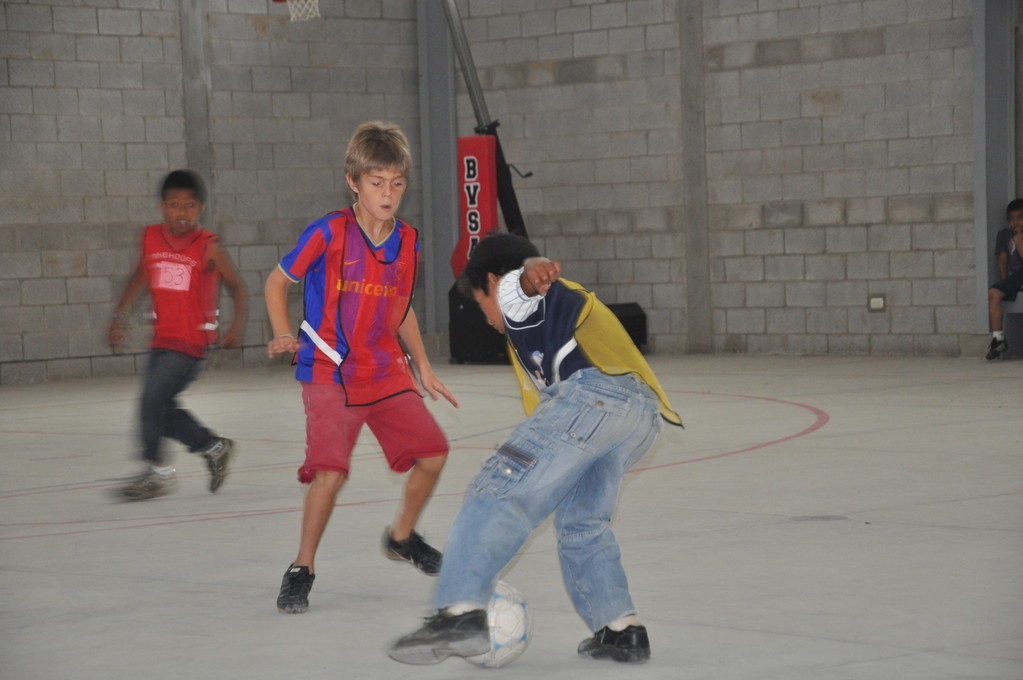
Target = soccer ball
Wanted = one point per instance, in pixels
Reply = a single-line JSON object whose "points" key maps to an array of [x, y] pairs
{"points": [[511, 624]]}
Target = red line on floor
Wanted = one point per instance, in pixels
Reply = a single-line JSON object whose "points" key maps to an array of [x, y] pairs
{"points": [[821, 419]]}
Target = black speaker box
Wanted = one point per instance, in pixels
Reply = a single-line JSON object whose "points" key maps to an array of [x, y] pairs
{"points": [[633, 318]]}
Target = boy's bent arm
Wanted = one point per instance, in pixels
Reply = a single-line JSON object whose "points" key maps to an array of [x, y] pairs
{"points": [[236, 285], [413, 341], [276, 294]]}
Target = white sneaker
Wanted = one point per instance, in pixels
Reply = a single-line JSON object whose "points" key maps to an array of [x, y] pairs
{"points": [[149, 485]]}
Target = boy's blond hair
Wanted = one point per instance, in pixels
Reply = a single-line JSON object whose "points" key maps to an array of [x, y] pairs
{"points": [[377, 146]]}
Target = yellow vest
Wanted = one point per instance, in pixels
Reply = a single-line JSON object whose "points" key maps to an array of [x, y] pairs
{"points": [[607, 346]]}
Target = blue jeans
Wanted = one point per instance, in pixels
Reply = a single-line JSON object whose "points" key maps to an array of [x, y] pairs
{"points": [[168, 373], [567, 458]]}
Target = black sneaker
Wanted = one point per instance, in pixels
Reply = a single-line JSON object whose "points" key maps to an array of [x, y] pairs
{"points": [[444, 635], [413, 549], [628, 646], [218, 459], [294, 597], [996, 348]]}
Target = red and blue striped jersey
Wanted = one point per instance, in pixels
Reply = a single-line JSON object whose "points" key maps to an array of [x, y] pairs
{"points": [[356, 295]]}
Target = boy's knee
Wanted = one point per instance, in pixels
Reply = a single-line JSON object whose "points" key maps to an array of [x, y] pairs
{"points": [[588, 533], [431, 464], [329, 478], [587, 526]]}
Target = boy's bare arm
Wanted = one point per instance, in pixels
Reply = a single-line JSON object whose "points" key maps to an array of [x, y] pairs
{"points": [[136, 283], [239, 298], [538, 273], [413, 341], [276, 294]]}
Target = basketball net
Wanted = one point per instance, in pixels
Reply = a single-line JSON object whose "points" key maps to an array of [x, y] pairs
{"points": [[302, 10]]}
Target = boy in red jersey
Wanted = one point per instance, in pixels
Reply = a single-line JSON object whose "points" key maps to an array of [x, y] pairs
{"points": [[359, 269], [182, 264]]}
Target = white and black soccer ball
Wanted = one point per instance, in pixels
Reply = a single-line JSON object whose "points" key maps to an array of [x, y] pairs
{"points": [[511, 625]]}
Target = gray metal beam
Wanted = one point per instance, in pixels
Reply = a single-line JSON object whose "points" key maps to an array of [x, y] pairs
{"points": [[438, 165], [695, 224]]}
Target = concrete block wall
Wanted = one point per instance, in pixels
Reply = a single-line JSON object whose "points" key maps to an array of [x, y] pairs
{"points": [[92, 117], [87, 113], [839, 162], [841, 166]]}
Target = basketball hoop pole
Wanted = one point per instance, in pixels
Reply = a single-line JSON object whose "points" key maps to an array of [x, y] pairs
{"points": [[484, 125]]}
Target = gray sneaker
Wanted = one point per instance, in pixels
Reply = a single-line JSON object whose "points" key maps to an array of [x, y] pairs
{"points": [[444, 635], [218, 459], [149, 485], [295, 587]]}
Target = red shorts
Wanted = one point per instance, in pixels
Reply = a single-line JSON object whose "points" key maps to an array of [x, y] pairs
{"points": [[402, 425]]}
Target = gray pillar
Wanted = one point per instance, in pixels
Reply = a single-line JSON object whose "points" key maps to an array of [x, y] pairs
{"points": [[994, 139], [438, 169], [195, 86], [695, 226]]}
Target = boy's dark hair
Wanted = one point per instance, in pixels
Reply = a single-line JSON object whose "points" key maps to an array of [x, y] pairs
{"points": [[1014, 205], [498, 254], [184, 179]]}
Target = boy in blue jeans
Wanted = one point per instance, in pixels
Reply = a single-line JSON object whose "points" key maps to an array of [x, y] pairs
{"points": [[595, 407]]}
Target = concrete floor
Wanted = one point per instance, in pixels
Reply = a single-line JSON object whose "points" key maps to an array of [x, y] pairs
{"points": [[819, 519]]}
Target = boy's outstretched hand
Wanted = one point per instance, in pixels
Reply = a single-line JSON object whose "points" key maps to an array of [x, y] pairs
{"points": [[434, 387], [538, 273]]}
